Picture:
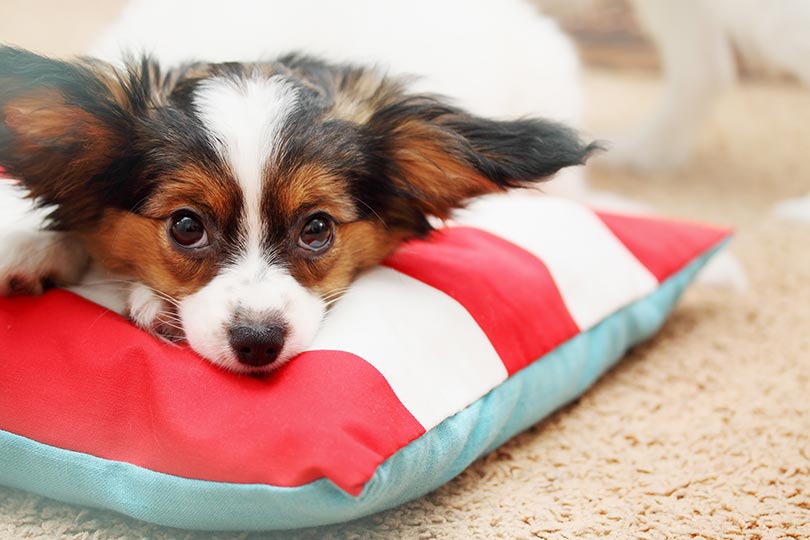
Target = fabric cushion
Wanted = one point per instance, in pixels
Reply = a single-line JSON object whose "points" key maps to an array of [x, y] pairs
{"points": [[452, 346]]}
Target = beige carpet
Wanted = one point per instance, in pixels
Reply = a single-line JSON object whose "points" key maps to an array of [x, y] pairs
{"points": [[704, 432]]}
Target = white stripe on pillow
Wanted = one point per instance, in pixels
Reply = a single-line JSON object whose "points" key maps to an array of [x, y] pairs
{"points": [[567, 237], [436, 359]]}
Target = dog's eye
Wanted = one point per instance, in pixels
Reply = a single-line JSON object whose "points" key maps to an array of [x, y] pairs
{"points": [[187, 230], [317, 233]]}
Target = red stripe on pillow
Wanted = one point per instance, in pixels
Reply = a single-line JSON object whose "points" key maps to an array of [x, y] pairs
{"points": [[664, 246], [75, 376], [507, 290]]}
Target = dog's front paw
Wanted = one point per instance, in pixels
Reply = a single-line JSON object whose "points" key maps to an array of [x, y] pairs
{"points": [[33, 261]]}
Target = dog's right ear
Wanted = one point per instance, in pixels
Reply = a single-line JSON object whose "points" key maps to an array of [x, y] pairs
{"points": [[62, 127]]}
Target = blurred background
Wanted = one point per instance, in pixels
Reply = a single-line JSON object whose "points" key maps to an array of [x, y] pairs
{"points": [[724, 385], [622, 81]]}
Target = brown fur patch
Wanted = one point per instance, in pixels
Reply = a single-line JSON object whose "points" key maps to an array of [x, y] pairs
{"points": [[44, 115], [209, 191], [41, 120], [357, 244], [138, 247], [428, 158], [357, 247], [309, 188]]}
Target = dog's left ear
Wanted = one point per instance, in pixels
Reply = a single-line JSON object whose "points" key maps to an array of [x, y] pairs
{"points": [[438, 156]]}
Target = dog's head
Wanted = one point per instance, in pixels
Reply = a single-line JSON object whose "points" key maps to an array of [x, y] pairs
{"points": [[245, 197]]}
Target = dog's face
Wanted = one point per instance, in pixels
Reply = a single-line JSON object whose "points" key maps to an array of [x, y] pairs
{"points": [[244, 198]]}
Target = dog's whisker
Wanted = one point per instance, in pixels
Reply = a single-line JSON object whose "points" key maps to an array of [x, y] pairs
{"points": [[378, 216], [124, 284], [335, 293], [168, 339], [169, 321], [332, 298], [332, 302], [111, 281]]}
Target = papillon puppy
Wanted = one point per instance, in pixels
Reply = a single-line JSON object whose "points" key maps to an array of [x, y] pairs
{"points": [[234, 200]]}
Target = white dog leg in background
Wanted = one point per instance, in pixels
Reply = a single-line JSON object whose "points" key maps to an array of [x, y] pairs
{"points": [[31, 258], [797, 209], [697, 64], [724, 270], [694, 40]]}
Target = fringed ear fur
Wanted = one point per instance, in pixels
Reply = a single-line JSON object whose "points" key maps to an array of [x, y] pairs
{"points": [[438, 156]]}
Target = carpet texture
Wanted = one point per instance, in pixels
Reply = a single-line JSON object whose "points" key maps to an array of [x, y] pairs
{"points": [[704, 432]]}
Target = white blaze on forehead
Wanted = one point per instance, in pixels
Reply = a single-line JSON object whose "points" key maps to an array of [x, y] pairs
{"points": [[245, 118]]}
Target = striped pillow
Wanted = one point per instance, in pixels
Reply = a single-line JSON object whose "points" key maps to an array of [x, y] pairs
{"points": [[435, 358]]}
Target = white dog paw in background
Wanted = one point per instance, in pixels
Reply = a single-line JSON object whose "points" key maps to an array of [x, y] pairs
{"points": [[797, 209]]}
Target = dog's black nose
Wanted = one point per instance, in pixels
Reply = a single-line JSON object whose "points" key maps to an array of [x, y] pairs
{"points": [[257, 345]]}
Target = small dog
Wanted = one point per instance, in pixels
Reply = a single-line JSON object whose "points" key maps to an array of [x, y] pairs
{"points": [[235, 200]]}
